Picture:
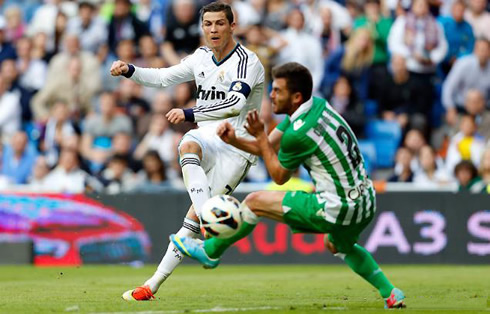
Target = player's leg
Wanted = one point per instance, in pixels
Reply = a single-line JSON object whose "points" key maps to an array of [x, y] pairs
{"points": [[170, 261], [195, 179], [343, 245], [173, 257], [256, 205]]}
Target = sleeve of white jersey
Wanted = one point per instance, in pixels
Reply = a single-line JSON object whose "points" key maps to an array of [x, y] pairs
{"points": [[249, 73], [164, 77]]}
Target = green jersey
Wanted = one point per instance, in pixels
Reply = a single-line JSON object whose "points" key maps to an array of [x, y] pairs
{"points": [[317, 137]]}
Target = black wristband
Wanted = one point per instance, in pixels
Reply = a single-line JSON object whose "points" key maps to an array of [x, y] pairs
{"points": [[130, 71], [189, 114]]}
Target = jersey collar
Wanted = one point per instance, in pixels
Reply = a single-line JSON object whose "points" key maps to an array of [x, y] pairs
{"points": [[227, 56], [302, 109]]}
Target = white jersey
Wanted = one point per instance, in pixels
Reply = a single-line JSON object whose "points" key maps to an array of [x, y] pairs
{"points": [[228, 89]]}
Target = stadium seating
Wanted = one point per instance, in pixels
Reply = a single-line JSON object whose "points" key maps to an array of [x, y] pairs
{"points": [[368, 151], [386, 136]]}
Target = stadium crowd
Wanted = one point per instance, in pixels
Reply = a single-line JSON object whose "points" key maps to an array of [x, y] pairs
{"points": [[66, 125]]}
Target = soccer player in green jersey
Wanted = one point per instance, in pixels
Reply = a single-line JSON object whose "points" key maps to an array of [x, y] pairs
{"points": [[313, 135]]}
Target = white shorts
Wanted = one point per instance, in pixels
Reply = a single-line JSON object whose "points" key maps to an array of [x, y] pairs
{"points": [[224, 167]]}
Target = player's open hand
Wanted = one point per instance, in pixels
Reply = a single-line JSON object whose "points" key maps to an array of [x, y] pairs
{"points": [[254, 125], [119, 68], [226, 132], [175, 116]]}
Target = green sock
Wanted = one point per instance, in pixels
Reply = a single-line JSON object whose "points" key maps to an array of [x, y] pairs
{"points": [[363, 263], [215, 247]]}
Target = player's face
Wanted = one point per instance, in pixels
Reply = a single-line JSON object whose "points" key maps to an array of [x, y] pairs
{"points": [[217, 30], [280, 96]]}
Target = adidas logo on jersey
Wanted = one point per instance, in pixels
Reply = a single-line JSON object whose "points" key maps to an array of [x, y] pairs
{"points": [[209, 94], [201, 75]]}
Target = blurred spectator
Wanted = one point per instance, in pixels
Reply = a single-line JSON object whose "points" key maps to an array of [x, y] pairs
{"points": [[153, 13], [419, 38], [465, 145], [32, 70], [99, 130], [55, 42], [485, 169], [478, 16], [57, 128], [430, 174], [330, 37], [16, 27], [469, 72], [276, 12], [414, 141], [160, 138], [67, 177], [10, 112], [10, 74], [266, 43], [60, 62], [148, 50], [117, 177], [122, 145], [341, 17], [459, 35], [74, 88], [18, 159], [475, 106], [126, 51], [105, 58], [7, 51], [39, 47], [130, 97], [298, 39], [402, 98], [353, 60], [344, 100], [152, 178], [39, 173], [379, 28], [467, 176], [44, 19], [403, 160], [161, 102], [90, 29], [124, 25], [246, 14], [182, 32]]}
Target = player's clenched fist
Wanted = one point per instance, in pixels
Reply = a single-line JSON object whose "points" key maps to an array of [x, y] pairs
{"points": [[175, 116], [119, 67], [226, 132]]}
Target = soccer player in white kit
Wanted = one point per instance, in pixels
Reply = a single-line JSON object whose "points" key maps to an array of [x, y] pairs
{"points": [[230, 82]]}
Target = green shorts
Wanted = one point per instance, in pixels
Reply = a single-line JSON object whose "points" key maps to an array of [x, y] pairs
{"points": [[305, 216]]}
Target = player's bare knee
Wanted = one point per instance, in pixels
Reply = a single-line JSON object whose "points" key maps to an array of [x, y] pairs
{"points": [[329, 245], [190, 148], [253, 201]]}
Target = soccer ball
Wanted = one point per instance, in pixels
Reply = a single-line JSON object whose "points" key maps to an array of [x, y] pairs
{"points": [[221, 216]]}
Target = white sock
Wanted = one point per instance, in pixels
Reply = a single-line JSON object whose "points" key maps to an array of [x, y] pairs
{"points": [[195, 181], [172, 257]]}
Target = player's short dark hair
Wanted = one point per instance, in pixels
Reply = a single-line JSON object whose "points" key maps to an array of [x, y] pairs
{"points": [[218, 6], [298, 78]]}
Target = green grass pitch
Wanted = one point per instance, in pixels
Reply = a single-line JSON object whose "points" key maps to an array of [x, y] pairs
{"points": [[247, 289]]}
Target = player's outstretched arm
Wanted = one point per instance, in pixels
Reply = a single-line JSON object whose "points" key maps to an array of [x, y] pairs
{"points": [[255, 127]]}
